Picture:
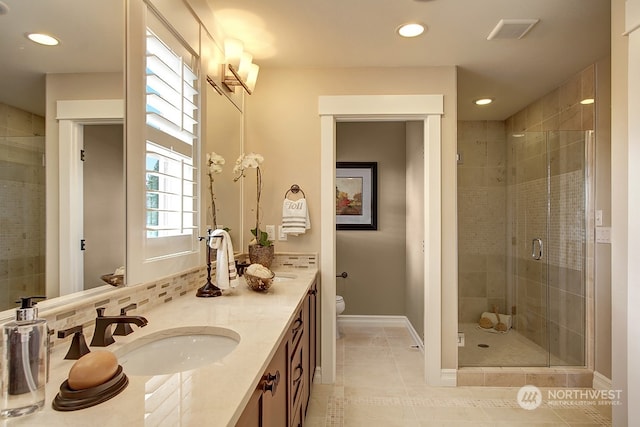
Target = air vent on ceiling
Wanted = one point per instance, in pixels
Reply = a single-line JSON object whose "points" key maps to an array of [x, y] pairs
{"points": [[512, 28]]}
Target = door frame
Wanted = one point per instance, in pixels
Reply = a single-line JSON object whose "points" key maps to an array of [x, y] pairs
{"points": [[428, 109], [72, 116]]}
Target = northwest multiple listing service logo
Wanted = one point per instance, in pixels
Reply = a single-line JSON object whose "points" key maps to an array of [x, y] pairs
{"points": [[530, 397]]}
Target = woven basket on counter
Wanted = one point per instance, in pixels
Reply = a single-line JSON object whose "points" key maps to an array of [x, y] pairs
{"points": [[259, 284]]}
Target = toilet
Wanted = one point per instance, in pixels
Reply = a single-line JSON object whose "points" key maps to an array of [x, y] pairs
{"points": [[339, 310]]}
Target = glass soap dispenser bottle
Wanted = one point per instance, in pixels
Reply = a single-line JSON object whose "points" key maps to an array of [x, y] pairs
{"points": [[24, 362]]}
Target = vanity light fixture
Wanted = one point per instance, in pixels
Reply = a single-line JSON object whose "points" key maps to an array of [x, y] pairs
{"points": [[238, 69], [411, 29], [43, 39], [483, 101], [587, 101]]}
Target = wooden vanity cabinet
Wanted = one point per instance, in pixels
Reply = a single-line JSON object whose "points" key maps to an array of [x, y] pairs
{"points": [[310, 308], [269, 402], [282, 396]]}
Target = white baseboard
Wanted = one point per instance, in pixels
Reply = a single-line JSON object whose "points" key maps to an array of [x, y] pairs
{"points": [[448, 377], [600, 382], [382, 320]]}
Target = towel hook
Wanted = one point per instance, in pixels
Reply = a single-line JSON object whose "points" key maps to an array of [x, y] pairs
{"points": [[295, 188]]}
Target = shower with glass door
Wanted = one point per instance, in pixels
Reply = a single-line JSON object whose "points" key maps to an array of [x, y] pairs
{"points": [[524, 253]]}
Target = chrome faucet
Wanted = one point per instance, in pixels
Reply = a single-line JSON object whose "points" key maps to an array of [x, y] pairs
{"points": [[103, 336]]}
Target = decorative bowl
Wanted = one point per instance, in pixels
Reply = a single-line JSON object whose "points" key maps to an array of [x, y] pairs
{"points": [[259, 284]]}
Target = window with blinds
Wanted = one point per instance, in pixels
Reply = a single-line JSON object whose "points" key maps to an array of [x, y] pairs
{"points": [[172, 129]]}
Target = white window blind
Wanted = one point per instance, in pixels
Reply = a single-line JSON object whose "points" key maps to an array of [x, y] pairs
{"points": [[172, 128]]}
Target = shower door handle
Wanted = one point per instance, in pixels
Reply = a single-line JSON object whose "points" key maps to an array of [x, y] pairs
{"points": [[536, 248]]}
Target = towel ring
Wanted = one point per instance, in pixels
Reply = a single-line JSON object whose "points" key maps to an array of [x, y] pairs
{"points": [[295, 188]]}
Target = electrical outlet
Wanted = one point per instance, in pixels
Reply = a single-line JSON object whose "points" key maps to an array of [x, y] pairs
{"points": [[281, 236], [460, 339], [271, 232]]}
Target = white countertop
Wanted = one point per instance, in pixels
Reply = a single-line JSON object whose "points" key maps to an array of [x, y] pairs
{"points": [[214, 395]]}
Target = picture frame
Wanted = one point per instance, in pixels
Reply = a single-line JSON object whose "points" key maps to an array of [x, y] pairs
{"points": [[356, 196]]}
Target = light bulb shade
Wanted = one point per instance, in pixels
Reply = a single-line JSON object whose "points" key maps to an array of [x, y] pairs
{"points": [[253, 76], [245, 65], [233, 52]]}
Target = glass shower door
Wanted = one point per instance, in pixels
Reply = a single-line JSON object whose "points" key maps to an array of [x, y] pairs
{"points": [[549, 199], [569, 195], [528, 218]]}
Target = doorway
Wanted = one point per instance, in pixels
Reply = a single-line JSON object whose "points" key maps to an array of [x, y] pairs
{"points": [[427, 109], [103, 202]]}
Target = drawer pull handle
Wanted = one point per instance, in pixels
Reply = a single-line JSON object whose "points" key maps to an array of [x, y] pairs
{"points": [[297, 380], [298, 325], [270, 383], [312, 291]]}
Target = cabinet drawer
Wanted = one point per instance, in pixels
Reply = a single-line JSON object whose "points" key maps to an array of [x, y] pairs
{"points": [[297, 328]]}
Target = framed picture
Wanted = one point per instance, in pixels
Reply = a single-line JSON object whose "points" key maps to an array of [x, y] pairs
{"points": [[356, 195]]}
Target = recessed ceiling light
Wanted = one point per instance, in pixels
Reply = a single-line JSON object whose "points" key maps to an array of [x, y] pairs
{"points": [[587, 101], [483, 101], [43, 39], [4, 9], [410, 30]]}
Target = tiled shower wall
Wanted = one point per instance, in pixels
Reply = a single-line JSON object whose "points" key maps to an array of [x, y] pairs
{"points": [[481, 218], [22, 216], [496, 222], [560, 117]]}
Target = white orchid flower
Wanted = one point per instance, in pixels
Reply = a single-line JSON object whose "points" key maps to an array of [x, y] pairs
{"points": [[248, 161]]}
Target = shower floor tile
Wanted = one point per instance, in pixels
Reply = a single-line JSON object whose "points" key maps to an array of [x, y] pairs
{"points": [[485, 349]]}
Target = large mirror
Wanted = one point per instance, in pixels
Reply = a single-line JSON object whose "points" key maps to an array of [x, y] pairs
{"points": [[223, 126], [86, 65], [48, 207]]}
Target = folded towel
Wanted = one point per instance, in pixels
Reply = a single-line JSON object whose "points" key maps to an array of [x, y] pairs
{"points": [[504, 318], [226, 275], [295, 216]]}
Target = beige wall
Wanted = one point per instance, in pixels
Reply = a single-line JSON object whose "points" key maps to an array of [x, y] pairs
{"points": [[375, 259], [602, 333], [282, 123], [623, 325], [415, 268]]}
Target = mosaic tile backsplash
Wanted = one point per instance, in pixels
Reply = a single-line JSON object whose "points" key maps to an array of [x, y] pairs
{"points": [[146, 296]]}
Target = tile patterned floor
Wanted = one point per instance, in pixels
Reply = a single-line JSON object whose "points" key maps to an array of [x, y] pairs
{"points": [[379, 382]]}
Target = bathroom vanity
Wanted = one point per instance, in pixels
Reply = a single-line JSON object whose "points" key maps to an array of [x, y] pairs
{"points": [[275, 334]]}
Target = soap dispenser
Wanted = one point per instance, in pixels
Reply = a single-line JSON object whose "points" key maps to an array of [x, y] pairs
{"points": [[24, 362]]}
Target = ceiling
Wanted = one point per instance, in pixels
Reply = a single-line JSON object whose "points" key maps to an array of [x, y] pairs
{"points": [[571, 35]]}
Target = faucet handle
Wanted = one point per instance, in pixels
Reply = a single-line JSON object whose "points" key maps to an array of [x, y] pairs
{"points": [[123, 329], [78, 346]]}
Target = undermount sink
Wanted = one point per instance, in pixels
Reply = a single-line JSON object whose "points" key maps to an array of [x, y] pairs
{"points": [[283, 277], [176, 350]]}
